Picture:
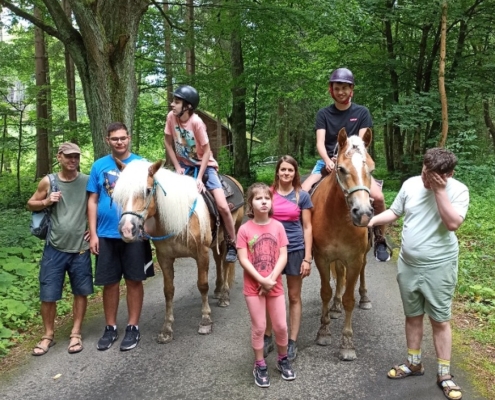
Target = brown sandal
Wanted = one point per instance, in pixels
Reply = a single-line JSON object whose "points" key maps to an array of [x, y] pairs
{"points": [[405, 370], [448, 386], [78, 343], [44, 349]]}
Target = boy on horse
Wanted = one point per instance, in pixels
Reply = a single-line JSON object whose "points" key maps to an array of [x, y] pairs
{"points": [[343, 113], [187, 131]]}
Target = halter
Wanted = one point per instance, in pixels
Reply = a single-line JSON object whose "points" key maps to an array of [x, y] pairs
{"points": [[143, 234], [348, 192]]}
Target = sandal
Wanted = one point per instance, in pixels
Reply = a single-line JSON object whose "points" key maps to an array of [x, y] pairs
{"points": [[405, 370], [71, 349], [450, 389], [44, 349]]}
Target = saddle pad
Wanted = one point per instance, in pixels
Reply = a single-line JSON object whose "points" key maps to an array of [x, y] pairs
{"points": [[234, 195]]}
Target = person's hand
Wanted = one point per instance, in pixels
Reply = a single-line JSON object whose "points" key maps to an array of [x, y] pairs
{"points": [[200, 185], [94, 245], [180, 170], [305, 269], [330, 165], [268, 283], [436, 181], [53, 198]]}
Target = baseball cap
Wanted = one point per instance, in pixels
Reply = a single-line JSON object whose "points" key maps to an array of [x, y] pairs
{"points": [[69, 148]]}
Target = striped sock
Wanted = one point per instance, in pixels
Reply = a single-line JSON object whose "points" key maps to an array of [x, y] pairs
{"points": [[443, 367], [281, 356], [414, 356]]}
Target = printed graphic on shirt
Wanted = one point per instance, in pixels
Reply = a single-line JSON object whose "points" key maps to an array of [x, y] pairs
{"points": [[110, 178], [185, 144], [264, 249]]}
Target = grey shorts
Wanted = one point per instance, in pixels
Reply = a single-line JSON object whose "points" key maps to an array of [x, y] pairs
{"points": [[428, 290], [294, 261]]}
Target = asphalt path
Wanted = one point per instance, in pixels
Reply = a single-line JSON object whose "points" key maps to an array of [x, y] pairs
{"points": [[219, 366]]}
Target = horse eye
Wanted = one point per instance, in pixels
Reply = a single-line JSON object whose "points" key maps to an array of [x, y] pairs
{"points": [[148, 191]]}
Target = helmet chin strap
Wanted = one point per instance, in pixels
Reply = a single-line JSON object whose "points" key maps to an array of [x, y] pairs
{"points": [[347, 101], [184, 109]]}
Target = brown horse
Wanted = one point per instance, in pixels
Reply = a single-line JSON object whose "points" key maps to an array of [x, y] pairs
{"points": [[341, 212], [182, 223]]}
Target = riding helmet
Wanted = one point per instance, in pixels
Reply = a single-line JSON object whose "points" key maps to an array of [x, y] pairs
{"points": [[188, 94], [342, 75]]}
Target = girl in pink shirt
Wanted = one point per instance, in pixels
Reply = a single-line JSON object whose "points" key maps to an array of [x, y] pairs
{"points": [[262, 251]]}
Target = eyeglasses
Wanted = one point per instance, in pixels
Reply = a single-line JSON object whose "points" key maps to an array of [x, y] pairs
{"points": [[118, 139]]}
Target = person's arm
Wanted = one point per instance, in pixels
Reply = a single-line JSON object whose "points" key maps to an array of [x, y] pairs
{"points": [[40, 199], [204, 163], [322, 151], [280, 264], [268, 283], [449, 215], [386, 217], [308, 241], [92, 219], [362, 131], [169, 147]]}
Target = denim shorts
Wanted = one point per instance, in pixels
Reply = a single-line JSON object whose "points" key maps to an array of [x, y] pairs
{"points": [[117, 258], [55, 263], [318, 166], [294, 261], [427, 290], [210, 177]]}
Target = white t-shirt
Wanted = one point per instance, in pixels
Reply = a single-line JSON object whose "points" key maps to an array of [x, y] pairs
{"points": [[425, 238]]}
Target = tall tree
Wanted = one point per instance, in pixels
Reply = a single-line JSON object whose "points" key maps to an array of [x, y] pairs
{"points": [[441, 77], [103, 48]]}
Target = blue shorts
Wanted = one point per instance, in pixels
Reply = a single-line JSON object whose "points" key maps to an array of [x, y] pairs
{"points": [[117, 258], [318, 166], [210, 177], [294, 261], [55, 263]]}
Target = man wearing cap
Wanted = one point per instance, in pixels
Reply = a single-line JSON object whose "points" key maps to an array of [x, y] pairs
{"points": [[356, 119], [67, 247]]}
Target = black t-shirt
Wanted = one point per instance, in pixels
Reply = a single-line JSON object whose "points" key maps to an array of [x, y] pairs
{"points": [[333, 120]]}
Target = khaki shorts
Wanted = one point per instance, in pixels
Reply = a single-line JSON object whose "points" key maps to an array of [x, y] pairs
{"points": [[427, 289]]}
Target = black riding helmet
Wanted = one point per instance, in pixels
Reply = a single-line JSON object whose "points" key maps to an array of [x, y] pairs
{"points": [[188, 94], [342, 75]]}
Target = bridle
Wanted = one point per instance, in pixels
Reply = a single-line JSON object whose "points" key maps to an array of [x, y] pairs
{"points": [[348, 192]]}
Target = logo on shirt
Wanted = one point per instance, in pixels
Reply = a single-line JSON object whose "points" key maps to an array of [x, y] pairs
{"points": [[110, 179], [353, 119]]}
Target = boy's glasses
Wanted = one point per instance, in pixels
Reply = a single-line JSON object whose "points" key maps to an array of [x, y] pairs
{"points": [[118, 139]]}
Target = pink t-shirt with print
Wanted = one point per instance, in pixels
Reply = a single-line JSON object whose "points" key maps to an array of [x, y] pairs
{"points": [[189, 138], [263, 243]]}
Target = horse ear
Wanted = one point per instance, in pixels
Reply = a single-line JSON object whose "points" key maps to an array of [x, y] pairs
{"points": [[155, 167], [342, 139], [120, 164], [367, 137]]}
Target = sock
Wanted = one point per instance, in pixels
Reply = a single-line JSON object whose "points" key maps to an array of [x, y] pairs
{"points": [[136, 326], [443, 367], [414, 356], [281, 357], [260, 363]]}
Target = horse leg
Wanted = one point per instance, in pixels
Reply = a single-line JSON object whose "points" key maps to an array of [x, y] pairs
{"points": [[364, 301], [203, 265], [324, 337], [222, 288], [167, 266], [347, 350], [217, 294], [338, 271]]}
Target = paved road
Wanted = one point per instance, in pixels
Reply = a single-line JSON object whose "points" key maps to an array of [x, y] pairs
{"points": [[219, 366]]}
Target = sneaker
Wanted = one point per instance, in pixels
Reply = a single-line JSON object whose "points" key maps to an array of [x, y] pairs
{"points": [[261, 376], [381, 252], [292, 350], [285, 368], [231, 255], [268, 345], [131, 338], [109, 336]]}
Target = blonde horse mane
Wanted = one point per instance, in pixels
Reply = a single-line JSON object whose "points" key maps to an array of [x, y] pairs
{"points": [[174, 196], [355, 145]]}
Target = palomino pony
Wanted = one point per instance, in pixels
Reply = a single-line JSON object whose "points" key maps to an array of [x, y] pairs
{"points": [[182, 221], [341, 212]]}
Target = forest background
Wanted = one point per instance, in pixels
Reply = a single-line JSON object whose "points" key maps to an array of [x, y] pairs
{"points": [[70, 67]]}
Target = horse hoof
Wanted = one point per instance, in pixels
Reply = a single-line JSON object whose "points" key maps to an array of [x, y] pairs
{"points": [[335, 314], [217, 295], [365, 305], [223, 303], [204, 329], [162, 338], [323, 340], [347, 355]]}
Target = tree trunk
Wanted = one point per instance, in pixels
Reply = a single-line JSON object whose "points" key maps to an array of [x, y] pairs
{"points": [[441, 77], [42, 154], [488, 120], [70, 79], [103, 49], [190, 52]]}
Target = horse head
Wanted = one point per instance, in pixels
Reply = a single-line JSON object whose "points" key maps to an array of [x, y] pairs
{"points": [[353, 173], [135, 194]]}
